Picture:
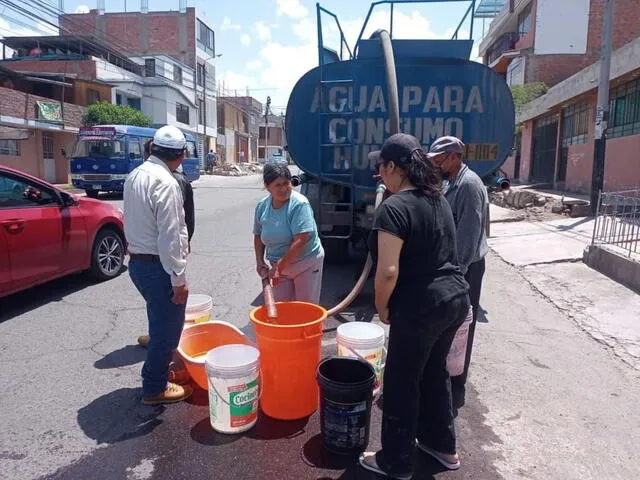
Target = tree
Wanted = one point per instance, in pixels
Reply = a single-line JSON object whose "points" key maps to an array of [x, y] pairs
{"points": [[108, 114], [525, 94]]}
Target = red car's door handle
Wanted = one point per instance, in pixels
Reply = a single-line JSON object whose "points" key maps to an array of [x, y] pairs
{"points": [[15, 225]]}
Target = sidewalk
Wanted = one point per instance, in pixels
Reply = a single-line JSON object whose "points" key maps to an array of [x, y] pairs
{"points": [[549, 255]]}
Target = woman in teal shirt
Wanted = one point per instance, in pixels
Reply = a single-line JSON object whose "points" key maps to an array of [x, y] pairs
{"points": [[286, 236]]}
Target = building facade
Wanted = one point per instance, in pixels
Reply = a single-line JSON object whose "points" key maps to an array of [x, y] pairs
{"points": [[548, 41], [161, 87], [37, 132], [181, 35], [556, 145]]}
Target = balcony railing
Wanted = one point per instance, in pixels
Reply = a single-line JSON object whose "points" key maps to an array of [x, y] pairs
{"points": [[505, 43]]}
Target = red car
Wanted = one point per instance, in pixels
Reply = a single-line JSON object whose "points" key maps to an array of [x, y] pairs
{"points": [[46, 233]]}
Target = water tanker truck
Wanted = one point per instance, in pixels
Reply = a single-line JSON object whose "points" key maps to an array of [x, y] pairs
{"points": [[354, 99]]}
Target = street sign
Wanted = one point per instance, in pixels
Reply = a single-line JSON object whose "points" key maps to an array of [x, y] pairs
{"points": [[332, 128]]}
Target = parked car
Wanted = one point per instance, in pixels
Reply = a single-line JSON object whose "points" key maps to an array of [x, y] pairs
{"points": [[47, 233]]}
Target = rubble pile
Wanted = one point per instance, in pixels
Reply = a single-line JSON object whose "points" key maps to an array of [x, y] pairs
{"points": [[237, 169], [536, 206]]}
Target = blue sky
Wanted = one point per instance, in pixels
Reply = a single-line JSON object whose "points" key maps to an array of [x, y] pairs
{"points": [[266, 45]]}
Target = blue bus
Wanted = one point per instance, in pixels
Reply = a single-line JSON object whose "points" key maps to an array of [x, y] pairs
{"points": [[104, 155]]}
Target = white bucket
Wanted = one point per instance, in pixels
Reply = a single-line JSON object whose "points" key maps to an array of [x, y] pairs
{"points": [[234, 387], [198, 309], [458, 351], [366, 341]]}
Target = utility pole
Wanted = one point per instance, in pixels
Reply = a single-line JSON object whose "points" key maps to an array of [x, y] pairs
{"points": [[602, 112], [266, 129]]}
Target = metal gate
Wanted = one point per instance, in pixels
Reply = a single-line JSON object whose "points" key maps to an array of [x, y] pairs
{"points": [[545, 144]]}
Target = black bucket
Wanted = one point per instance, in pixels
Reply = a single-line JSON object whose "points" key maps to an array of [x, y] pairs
{"points": [[346, 394]]}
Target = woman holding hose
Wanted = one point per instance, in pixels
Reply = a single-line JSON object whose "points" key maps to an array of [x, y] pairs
{"points": [[421, 293], [286, 242]]}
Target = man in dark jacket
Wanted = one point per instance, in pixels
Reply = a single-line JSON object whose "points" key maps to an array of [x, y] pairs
{"points": [[189, 214], [469, 200]]}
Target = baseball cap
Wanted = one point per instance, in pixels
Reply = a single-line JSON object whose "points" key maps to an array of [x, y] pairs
{"points": [[169, 137], [445, 145], [397, 148]]}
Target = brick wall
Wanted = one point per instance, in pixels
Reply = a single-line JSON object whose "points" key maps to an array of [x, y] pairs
{"points": [[154, 33], [22, 105], [552, 69]]}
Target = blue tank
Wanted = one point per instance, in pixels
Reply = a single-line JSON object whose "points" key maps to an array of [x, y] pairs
{"points": [[332, 125]]}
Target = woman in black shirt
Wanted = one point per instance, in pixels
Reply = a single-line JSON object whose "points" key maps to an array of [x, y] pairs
{"points": [[421, 293]]}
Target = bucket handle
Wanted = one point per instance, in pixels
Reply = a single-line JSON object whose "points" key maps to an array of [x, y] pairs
{"points": [[375, 368], [227, 403]]}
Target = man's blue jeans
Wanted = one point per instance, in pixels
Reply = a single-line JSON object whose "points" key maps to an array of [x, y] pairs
{"points": [[166, 320]]}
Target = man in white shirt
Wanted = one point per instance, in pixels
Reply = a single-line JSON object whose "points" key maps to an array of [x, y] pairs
{"points": [[156, 232]]}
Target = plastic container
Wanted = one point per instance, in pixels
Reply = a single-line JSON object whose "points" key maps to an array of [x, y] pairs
{"points": [[346, 395], [234, 387], [290, 348], [196, 342], [458, 351], [198, 309], [366, 341]]}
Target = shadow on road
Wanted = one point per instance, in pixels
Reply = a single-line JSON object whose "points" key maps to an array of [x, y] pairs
{"points": [[118, 416], [123, 357], [269, 429], [33, 298]]}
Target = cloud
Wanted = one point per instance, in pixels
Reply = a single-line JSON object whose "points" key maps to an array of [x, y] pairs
{"points": [[263, 30], [291, 8], [82, 9], [228, 25], [306, 30], [245, 39], [254, 64], [39, 29], [234, 82]]}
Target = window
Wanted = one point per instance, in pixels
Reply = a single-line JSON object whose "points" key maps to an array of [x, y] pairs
{"points": [[200, 74], [150, 67], [135, 152], [182, 113], [15, 193], [47, 145], [134, 103], [10, 147], [118, 99], [201, 111], [575, 125], [524, 21], [260, 152], [261, 133], [192, 151], [98, 149], [93, 96], [206, 39], [177, 74], [625, 110]]}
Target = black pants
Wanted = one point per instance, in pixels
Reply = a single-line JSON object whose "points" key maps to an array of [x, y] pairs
{"points": [[474, 276], [417, 390]]}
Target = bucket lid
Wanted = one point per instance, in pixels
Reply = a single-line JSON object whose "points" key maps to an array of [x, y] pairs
{"points": [[197, 302], [361, 332], [232, 358]]}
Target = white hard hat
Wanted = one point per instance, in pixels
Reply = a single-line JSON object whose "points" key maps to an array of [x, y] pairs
{"points": [[169, 137]]}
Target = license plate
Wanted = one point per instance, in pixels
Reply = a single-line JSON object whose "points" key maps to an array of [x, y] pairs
{"points": [[96, 187]]}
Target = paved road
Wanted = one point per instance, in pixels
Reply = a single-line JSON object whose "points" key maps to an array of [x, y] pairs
{"points": [[546, 402]]}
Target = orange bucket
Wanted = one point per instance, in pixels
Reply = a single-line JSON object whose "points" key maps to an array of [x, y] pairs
{"points": [[198, 339], [290, 349]]}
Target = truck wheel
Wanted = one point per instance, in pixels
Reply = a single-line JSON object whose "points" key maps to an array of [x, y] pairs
{"points": [[92, 193], [107, 255]]}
